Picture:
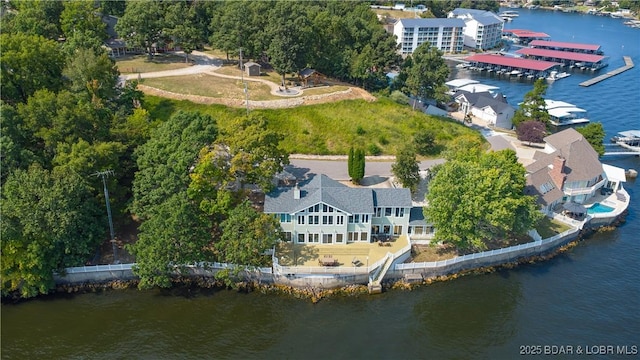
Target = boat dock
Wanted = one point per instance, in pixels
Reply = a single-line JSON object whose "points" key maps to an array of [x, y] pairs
{"points": [[628, 65]]}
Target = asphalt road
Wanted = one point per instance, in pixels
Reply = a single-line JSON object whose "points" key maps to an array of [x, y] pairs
{"points": [[337, 169]]}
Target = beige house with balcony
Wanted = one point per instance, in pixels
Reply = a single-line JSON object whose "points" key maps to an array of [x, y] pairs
{"points": [[569, 170]]}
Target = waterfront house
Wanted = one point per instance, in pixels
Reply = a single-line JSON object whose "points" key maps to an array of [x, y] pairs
{"points": [[568, 170], [444, 34], [320, 210], [482, 30], [493, 109]]}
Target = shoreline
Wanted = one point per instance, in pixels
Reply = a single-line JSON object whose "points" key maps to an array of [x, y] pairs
{"points": [[315, 294]]}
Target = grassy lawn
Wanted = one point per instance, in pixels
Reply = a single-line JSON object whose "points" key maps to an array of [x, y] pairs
{"points": [[130, 64], [548, 227], [331, 128], [266, 75], [212, 86], [428, 253]]}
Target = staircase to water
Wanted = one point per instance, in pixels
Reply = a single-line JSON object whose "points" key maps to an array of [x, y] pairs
{"points": [[375, 286]]}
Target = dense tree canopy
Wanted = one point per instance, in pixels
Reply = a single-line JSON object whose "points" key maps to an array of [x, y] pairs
{"points": [[29, 63], [176, 234], [473, 200], [533, 107], [49, 221], [594, 133], [406, 168], [426, 73], [165, 160]]}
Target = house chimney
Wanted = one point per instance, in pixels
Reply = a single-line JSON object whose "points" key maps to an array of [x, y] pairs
{"points": [[296, 192], [557, 172]]}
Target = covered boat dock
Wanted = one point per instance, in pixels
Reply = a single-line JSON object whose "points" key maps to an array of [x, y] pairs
{"points": [[513, 66], [567, 46], [572, 59]]}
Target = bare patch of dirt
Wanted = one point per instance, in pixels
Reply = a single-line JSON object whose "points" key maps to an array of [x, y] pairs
{"points": [[126, 234]]}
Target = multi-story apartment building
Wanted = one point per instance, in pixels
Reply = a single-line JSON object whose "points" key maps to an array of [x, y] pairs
{"points": [[482, 30], [444, 34]]}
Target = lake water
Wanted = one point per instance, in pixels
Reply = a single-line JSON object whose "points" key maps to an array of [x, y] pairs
{"points": [[587, 297]]}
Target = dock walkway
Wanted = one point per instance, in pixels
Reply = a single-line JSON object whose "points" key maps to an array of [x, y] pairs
{"points": [[628, 65]]}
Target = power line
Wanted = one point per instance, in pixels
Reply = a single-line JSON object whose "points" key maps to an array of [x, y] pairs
{"points": [[104, 174]]}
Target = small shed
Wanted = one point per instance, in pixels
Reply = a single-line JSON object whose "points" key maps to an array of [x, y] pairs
{"points": [[252, 68]]}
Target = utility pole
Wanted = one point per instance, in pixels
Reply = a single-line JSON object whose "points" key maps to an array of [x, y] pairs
{"points": [[246, 90], [104, 174]]}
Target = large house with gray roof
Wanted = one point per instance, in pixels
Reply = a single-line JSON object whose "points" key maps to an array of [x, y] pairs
{"points": [[569, 170], [444, 34], [482, 30], [493, 109], [320, 210]]}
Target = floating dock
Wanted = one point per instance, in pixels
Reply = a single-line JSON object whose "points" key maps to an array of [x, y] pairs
{"points": [[597, 79]]}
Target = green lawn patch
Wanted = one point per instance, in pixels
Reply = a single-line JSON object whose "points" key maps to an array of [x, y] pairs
{"points": [[131, 64], [211, 86], [548, 227], [332, 128]]}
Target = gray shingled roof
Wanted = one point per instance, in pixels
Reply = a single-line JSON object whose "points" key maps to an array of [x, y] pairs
{"points": [[444, 22], [482, 16], [391, 197], [484, 99], [416, 217], [320, 189]]}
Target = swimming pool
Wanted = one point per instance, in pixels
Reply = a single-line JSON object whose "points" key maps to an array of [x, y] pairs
{"points": [[598, 208]]}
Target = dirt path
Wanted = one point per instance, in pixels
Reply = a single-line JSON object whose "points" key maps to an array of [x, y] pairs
{"points": [[207, 64]]}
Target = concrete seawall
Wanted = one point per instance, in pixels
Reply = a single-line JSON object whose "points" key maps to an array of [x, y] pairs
{"points": [[106, 273]]}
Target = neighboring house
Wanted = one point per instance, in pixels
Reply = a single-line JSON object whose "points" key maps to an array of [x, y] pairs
{"points": [[252, 68], [482, 30], [493, 109], [569, 170], [321, 210], [444, 34]]}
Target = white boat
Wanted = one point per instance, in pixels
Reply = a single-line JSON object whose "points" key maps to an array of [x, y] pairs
{"points": [[554, 75], [515, 72]]}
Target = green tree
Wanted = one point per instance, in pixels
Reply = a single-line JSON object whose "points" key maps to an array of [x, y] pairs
{"points": [[406, 168], [533, 107], [142, 24], [174, 236], [93, 75], [33, 17], [50, 221], [424, 142], [427, 74], [246, 235], [28, 63], [356, 169], [165, 160], [180, 22], [15, 149], [289, 32], [232, 28], [81, 16], [472, 202], [255, 155], [594, 133]]}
